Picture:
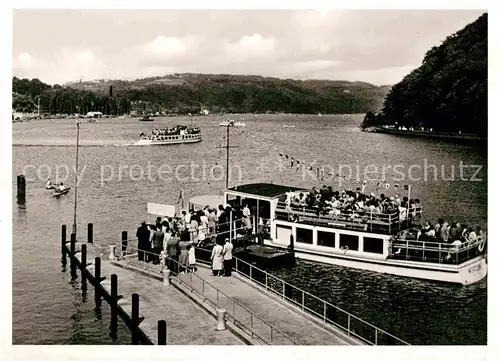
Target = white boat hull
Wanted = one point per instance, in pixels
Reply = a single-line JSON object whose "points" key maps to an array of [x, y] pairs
{"points": [[167, 142], [233, 125], [466, 273]]}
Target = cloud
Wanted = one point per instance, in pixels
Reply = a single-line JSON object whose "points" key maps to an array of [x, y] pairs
{"points": [[167, 51], [251, 46], [66, 64]]}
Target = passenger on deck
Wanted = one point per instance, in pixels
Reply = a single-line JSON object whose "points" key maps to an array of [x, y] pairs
{"points": [[246, 217], [445, 232], [472, 235], [212, 218], [454, 232], [438, 228]]}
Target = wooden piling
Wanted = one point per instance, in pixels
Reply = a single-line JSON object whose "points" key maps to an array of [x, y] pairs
{"points": [[63, 244], [135, 318], [72, 244], [21, 186], [90, 233], [124, 241], [162, 332], [83, 262], [114, 289]]}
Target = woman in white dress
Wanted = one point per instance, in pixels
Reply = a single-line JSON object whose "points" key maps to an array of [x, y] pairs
{"points": [[217, 260]]}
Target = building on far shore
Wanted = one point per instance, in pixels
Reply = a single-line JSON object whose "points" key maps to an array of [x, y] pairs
{"points": [[94, 115]]}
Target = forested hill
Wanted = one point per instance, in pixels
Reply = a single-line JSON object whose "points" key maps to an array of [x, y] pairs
{"points": [[189, 93], [449, 91]]}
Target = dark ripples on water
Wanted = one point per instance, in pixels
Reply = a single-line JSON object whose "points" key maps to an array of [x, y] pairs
{"points": [[48, 308]]}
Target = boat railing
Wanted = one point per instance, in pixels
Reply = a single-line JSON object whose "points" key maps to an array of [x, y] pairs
{"points": [[323, 311], [437, 252], [387, 223], [237, 313]]}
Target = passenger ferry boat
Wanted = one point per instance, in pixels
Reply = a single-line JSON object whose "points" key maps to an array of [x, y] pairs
{"points": [[176, 135], [376, 242]]}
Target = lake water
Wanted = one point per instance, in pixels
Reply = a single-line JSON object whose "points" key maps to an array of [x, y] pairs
{"points": [[118, 180]]}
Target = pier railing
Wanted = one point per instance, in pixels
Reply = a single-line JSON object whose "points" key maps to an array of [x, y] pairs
{"points": [[322, 310], [240, 315]]}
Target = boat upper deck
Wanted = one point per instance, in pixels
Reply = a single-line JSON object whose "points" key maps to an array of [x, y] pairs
{"points": [[384, 223]]}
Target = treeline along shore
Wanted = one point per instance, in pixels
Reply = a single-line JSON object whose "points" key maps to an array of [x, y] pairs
{"points": [[447, 94], [198, 93]]}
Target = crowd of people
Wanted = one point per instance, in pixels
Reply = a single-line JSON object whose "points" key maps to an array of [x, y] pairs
{"points": [[452, 232], [326, 201], [175, 238], [177, 130]]}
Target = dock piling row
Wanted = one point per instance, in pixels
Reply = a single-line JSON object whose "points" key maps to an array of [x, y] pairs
{"points": [[133, 320]]}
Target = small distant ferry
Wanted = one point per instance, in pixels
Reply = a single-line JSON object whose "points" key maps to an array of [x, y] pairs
{"points": [[379, 242], [232, 123], [146, 118], [176, 135]]}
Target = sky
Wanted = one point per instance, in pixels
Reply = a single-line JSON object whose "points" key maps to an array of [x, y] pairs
{"points": [[375, 46]]}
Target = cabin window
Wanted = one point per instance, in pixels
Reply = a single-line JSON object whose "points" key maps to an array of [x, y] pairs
{"points": [[304, 235], [326, 239], [373, 245], [349, 241], [283, 233]]}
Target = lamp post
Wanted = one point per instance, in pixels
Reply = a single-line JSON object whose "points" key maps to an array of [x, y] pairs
{"points": [[76, 175]]}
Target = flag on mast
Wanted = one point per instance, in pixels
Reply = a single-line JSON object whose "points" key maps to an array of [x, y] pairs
{"points": [[181, 196]]}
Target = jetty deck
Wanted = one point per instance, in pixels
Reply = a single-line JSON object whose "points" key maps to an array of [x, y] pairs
{"points": [[189, 304], [187, 323]]}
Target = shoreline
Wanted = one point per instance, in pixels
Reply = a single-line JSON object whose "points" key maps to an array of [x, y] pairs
{"points": [[416, 133]]}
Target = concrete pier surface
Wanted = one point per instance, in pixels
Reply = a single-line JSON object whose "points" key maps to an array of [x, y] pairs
{"points": [[252, 313], [187, 323], [280, 315], [190, 303]]}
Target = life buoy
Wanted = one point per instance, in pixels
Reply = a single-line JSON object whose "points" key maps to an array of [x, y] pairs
{"points": [[344, 248], [481, 245]]}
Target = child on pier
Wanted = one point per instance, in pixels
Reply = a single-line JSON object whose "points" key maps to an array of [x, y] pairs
{"points": [[192, 258]]}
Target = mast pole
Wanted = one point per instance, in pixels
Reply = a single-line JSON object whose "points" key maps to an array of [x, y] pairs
{"points": [[227, 156]]}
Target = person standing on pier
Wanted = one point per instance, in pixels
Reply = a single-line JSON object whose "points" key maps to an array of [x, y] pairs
{"points": [[217, 259], [158, 237], [173, 253], [142, 235], [227, 253]]}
